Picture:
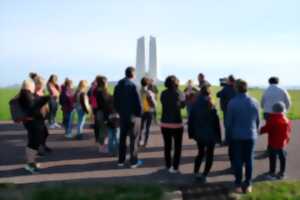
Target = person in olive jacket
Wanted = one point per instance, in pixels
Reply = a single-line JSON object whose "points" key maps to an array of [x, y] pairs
{"points": [[204, 128]]}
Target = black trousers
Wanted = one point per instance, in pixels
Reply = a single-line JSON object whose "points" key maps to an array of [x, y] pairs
{"points": [[145, 128], [34, 134], [207, 151], [131, 129], [171, 136], [53, 107], [273, 154]]}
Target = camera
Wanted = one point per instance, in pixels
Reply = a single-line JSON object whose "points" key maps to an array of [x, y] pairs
{"points": [[223, 81]]}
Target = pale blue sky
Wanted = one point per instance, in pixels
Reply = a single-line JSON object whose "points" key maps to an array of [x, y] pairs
{"points": [[81, 38]]}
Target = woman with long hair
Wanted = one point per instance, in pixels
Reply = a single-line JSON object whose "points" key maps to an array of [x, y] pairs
{"points": [[172, 100], [82, 106], [54, 91]]}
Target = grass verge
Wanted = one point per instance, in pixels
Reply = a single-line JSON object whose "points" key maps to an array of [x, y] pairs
{"points": [[280, 190]]}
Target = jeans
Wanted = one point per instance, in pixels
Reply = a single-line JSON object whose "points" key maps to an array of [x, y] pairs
{"points": [[81, 120], [146, 123], [170, 135], [243, 154], [129, 128], [207, 151], [273, 153], [112, 140], [68, 120], [53, 106]]}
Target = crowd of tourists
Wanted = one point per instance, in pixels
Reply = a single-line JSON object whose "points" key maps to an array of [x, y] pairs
{"points": [[130, 109]]}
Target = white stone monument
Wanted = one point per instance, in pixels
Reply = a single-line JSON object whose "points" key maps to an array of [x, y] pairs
{"points": [[141, 70]]}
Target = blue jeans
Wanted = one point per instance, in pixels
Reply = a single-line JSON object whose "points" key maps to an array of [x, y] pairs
{"points": [[112, 140], [243, 154], [81, 120], [68, 120]]}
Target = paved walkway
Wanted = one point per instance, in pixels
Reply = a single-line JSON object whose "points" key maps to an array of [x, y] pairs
{"points": [[79, 161]]}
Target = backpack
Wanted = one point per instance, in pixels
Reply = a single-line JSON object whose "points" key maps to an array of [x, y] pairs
{"points": [[18, 114]]}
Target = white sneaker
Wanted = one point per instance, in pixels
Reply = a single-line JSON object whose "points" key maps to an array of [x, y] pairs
{"points": [[69, 136], [121, 164], [31, 169], [248, 189], [142, 143], [173, 171], [138, 163], [52, 126], [57, 125]]}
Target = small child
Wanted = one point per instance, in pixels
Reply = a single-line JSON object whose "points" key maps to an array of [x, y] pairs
{"points": [[278, 126]]}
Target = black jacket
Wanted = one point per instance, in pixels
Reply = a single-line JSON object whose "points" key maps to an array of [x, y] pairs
{"points": [[32, 104], [171, 106], [204, 123], [126, 100]]}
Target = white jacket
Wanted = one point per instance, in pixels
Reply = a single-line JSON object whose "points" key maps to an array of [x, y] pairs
{"points": [[274, 94]]}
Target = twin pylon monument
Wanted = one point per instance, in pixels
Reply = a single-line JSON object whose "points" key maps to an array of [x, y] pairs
{"points": [[141, 69]]}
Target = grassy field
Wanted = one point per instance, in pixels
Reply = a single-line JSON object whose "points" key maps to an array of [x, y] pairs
{"points": [[294, 113], [81, 192], [275, 191]]}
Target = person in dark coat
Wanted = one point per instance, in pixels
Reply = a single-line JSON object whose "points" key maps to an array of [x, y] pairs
{"points": [[128, 105], [227, 93], [204, 128], [32, 106], [172, 100]]}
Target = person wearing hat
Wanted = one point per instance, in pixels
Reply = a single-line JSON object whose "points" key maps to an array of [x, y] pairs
{"points": [[278, 128]]}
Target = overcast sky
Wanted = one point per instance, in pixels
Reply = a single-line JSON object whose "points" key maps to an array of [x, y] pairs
{"points": [[82, 38]]}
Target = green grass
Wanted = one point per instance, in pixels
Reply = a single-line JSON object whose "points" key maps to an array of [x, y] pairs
{"points": [[83, 192], [294, 113], [275, 191]]}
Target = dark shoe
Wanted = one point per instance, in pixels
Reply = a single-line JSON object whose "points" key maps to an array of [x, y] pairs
{"points": [[48, 149], [201, 178], [79, 137]]}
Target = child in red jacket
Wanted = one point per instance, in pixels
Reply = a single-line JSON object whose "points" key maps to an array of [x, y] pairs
{"points": [[278, 126]]}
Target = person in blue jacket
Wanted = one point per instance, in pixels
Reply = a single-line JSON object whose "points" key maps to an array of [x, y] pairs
{"points": [[242, 123]]}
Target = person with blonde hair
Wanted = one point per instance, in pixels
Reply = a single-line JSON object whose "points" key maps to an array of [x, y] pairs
{"points": [[32, 105], [40, 84], [82, 106]]}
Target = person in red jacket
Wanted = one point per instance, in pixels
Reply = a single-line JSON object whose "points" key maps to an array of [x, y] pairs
{"points": [[278, 128]]}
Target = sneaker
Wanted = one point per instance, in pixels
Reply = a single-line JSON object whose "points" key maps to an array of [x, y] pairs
{"points": [[69, 136], [238, 190], [248, 189], [141, 143], [103, 149], [31, 168], [173, 171], [138, 163], [52, 126], [271, 177], [280, 176], [37, 165], [57, 125], [121, 164], [79, 137], [201, 178]]}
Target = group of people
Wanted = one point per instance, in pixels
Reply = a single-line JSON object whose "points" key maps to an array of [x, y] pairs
{"points": [[130, 110]]}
